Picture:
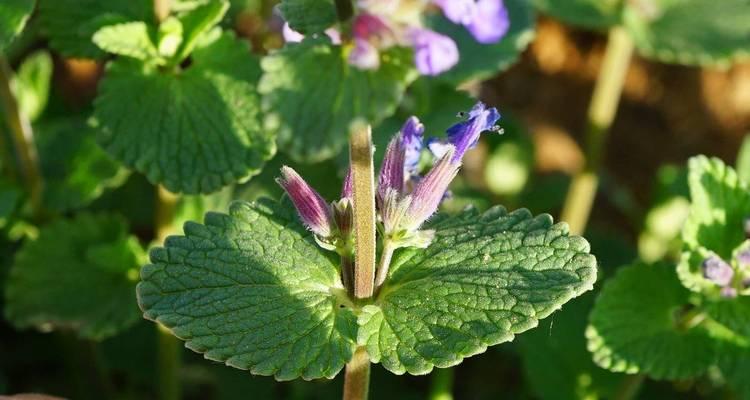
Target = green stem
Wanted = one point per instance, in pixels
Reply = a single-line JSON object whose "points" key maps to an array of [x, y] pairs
{"points": [[357, 376], [601, 113], [169, 347], [441, 386], [347, 272], [363, 193], [629, 387], [384, 263], [23, 138]]}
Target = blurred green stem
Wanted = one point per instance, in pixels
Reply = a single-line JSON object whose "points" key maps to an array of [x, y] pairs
{"points": [[23, 138], [441, 385], [601, 114], [357, 376], [629, 387], [169, 346], [344, 10]]}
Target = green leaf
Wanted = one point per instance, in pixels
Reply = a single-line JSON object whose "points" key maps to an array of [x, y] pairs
{"points": [[10, 196], [252, 289], [690, 32], [130, 39], [480, 61], [311, 94], [484, 279], [734, 364], [75, 169], [61, 281], [639, 325], [13, 17], [71, 24], [595, 14], [732, 313], [193, 130], [32, 82], [720, 202], [556, 361], [196, 22], [308, 16], [743, 160]]}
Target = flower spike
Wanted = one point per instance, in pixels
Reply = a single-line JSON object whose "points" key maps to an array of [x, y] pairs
{"points": [[312, 208], [411, 136], [465, 135]]}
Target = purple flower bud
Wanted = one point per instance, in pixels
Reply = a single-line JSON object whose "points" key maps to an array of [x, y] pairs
{"points": [[717, 271], [465, 135], [364, 55], [312, 208], [343, 216], [728, 292], [433, 53], [490, 23], [346, 190], [429, 191], [458, 11], [411, 137], [392, 170]]}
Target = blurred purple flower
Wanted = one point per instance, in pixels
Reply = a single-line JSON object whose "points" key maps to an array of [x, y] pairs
{"points": [[465, 134], [434, 53], [728, 292], [486, 20], [312, 208], [411, 136], [717, 271], [364, 55], [743, 258]]}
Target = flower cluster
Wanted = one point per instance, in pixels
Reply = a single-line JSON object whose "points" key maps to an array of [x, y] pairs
{"points": [[729, 278], [404, 198], [380, 24]]}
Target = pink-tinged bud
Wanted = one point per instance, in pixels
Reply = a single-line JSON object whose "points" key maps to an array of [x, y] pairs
{"points": [[364, 55], [430, 190], [717, 271], [728, 292], [347, 190], [392, 170], [343, 216], [312, 208], [373, 29]]}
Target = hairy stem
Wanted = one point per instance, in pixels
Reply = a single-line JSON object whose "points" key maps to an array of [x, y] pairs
{"points": [[601, 113], [384, 263], [23, 139], [169, 348], [363, 185], [344, 10], [441, 386], [357, 376]]}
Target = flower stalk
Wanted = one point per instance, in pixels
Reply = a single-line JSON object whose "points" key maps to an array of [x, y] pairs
{"points": [[601, 114]]}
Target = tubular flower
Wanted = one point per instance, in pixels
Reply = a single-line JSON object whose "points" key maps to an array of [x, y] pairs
{"points": [[465, 134], [486, 20]]}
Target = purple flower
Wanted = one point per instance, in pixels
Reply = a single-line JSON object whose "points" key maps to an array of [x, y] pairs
{"points": [[486, 20], [465, 134], [312, 208], [364, 55], [372, 28], [717, 271], [429, 192], [411, 137], [728, 292], [346, 188], [433, 53]]}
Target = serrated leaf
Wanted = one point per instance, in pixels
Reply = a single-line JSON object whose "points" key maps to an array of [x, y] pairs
{"points": [[55, 282], [31, 84], [311, 94], [690, 32], [308, 16], [596, 14], [720, 202], [13, 17], [484, 279], [71, 24], [76, 171], [636, 327], [130, 39], [252, 289], [194, 131], [480, 61], [196, 22], [732, 313]]}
